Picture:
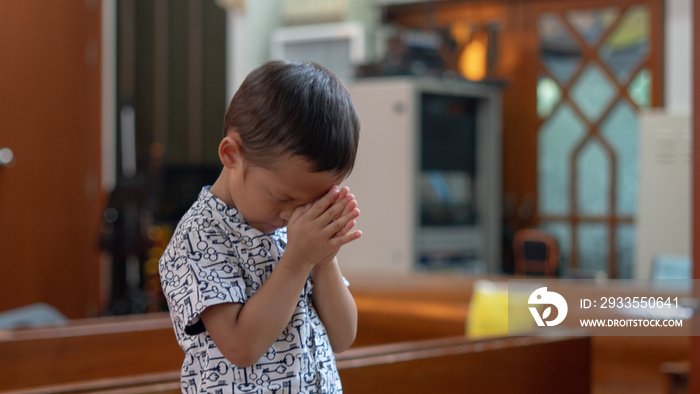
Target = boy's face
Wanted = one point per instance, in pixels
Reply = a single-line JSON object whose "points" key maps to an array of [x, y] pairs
{"points": [[266, 197]]}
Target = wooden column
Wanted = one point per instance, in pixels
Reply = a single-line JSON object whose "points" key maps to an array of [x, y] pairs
{"points": [[695, 340]]}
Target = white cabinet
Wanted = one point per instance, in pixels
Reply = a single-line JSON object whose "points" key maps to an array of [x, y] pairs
{"points": [[427, 176], [664, 213]]}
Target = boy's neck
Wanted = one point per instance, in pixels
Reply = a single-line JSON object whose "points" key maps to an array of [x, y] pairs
{"points": [[221, 190]]}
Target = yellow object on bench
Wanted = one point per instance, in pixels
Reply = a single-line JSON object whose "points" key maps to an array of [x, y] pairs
{"points": [[489, 311]]}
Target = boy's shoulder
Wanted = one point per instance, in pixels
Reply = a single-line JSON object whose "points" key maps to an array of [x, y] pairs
{"points": [[208, 212]]}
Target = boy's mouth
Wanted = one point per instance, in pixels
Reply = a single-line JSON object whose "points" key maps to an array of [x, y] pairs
{"points": [[270, 228]]}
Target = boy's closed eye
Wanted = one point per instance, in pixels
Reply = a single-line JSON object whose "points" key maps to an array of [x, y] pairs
{"points": [[281, 198]]}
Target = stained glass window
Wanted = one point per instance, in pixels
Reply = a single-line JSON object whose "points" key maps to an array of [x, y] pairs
{"points": [[592, 92], [559, 51], [628, 46]]}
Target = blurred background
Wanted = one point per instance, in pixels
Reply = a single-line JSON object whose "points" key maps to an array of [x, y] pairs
{"points": [[500, 139]]}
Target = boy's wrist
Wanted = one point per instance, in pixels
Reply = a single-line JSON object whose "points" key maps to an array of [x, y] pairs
{"points": [[297, 263], [328, 266]]}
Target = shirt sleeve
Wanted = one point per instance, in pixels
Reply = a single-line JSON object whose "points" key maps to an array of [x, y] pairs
{"points": [[206, 273]]}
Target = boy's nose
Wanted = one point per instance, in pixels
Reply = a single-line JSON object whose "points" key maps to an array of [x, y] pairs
{"points": [[285, 214], [287, 210]]}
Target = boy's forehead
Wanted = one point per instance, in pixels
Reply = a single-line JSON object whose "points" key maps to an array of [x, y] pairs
{"points": [[295, 178]]}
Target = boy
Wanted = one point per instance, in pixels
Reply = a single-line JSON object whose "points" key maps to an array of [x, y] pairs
{"points": [[257, 298]]}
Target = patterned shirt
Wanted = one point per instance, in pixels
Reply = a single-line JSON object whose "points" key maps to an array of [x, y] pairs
{"points": [[215, 257]]}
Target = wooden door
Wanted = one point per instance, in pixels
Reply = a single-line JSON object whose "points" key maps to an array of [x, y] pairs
{"points": [[50, 199]]}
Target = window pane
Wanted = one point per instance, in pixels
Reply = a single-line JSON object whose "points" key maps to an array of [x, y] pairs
{"points": [[620, 129], [593, 250], [624, 250], [593, 92], [640, 89], [591, 24], [558, 50], [593, 188], [548, 96], [628, 45], [556, 141]]}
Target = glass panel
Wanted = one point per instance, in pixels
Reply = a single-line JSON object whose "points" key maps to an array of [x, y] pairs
{"points": [[593, 165], [620, 129], [448, 160], [548, 96], [562, 232], [640, 89], [624, 250], [592, 92], [593, 248], [591, 24], [556, 140], [558, 50], [628, 45]]}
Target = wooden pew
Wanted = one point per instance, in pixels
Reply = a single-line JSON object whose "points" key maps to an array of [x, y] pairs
{"points": [[677, 376], [401, 308], [141, 349], [87, 350], [405, 309], [634, 364], [446, 365], [459, 365], [164, 382]]}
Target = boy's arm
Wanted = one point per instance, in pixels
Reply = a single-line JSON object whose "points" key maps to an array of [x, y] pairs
{"points": [[244, 332], [335, 305]]}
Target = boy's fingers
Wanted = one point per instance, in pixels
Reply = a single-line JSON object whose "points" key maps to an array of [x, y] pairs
{"points": [[350, 205], [342, 194], [347, 238], [336, 226], [346, 229], [344, 191], [299, 211], [322, 204], [336, 211]]}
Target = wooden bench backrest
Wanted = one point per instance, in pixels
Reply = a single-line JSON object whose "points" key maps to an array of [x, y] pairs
{"points": [[88, 350], [459, 365], [447, 365]]}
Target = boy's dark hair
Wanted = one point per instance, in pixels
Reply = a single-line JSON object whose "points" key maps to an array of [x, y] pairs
{"points": [[297, 108]]}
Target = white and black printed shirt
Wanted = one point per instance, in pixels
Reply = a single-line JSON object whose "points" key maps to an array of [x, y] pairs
{"points": [[215, 257]]}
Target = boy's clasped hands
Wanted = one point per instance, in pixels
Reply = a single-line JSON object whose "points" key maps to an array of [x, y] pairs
{"points": [[316, 231]]}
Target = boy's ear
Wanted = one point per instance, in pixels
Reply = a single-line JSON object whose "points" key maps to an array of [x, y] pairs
{"points": [[231, 151]]}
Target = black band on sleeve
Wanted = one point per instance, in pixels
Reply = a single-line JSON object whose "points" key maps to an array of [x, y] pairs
{"points": [[195, 329]]}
